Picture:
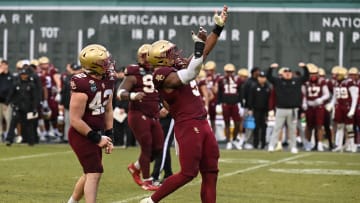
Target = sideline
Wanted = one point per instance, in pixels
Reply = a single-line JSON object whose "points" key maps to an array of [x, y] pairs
{"points": [[34, 156], [227, 174]]}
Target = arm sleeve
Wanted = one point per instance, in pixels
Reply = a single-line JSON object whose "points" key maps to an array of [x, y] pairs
{"points": [[269, 75], [306, 75], [354, 92], [325, 93], [193, 69], [251, 97]]}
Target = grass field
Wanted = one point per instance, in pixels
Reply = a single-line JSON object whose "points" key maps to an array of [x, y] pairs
{"points": [[47, 173]]}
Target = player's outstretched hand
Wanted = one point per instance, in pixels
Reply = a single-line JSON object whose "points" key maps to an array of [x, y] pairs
{"points": [[274, 65], [220, 20], [200, 36], [301, 64]]}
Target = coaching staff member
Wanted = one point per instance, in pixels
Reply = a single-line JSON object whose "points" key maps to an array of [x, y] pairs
{"points": [[288, 99]]}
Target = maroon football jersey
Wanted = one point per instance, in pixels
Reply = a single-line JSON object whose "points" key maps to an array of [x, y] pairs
{"points": [[211, 81], [314, 89], [50, 82], [185, 102], [149, 105], [342, 93], [200, 83], [229, 87], [98, 92]]}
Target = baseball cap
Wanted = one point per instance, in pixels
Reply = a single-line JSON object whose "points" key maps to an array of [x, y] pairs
{"points": [[286, 69], [75, 66], [262, 74], [23, 71]]}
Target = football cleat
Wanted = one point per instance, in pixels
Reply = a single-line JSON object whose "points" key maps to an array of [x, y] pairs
{"points": [[135, 173], [294, 150], [320, 147], [338, 149], [148, 185], [228, 146], [237, 144], [278, 146]]}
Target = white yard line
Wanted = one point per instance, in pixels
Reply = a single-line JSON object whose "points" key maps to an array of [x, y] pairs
{"points": [[261, 166], [227, 174], [33, 156]]}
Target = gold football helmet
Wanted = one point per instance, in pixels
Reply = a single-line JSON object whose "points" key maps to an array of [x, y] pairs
{"points": [[322, 72], [162, 53], [243, 72], [229, 67], [313, 69], [34, 62], [341, 74], [44, 60], [19, 64], [353, 71], [201, 74], [142, 53], [335, 70], [95, 58], [210, 65]]}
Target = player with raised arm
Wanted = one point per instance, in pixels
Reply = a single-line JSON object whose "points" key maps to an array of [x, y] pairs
{"points": [[197, 145]]}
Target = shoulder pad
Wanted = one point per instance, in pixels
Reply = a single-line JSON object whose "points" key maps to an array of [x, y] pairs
{"points": [[160, 74], [132, 69], [79, 82]]}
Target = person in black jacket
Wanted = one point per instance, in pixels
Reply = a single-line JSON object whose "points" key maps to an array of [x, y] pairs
{"points": [[24, 100], [288, 99], [258, 101], [63, 117], [5, 86]]}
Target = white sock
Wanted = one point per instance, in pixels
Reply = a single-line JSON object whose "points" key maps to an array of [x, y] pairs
{"points": [[71, 200], [137, 164]]}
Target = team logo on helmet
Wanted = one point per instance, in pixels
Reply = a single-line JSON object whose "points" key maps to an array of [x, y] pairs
{"points": [[162, 53], [96, 59]]}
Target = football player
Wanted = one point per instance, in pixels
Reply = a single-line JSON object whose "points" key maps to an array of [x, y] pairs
{"points": [[345, 98], [197, 146], [212, 84], [327, 117], [229, 97], [50, 109], [316, 93], [91, 118], [138, 88]]}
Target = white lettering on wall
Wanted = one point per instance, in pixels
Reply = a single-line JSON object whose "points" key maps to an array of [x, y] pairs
{"points": [[329, 37], [341, 22], [42, 47], [49, 32], [315, 36], [265, 34], [355, 37], [115, 19]]}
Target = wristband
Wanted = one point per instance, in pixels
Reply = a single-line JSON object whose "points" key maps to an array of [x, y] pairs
{"points": [[199, 48], [217, 30], [119, 92], [109, 133], [94, 136], [132, 95]]}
